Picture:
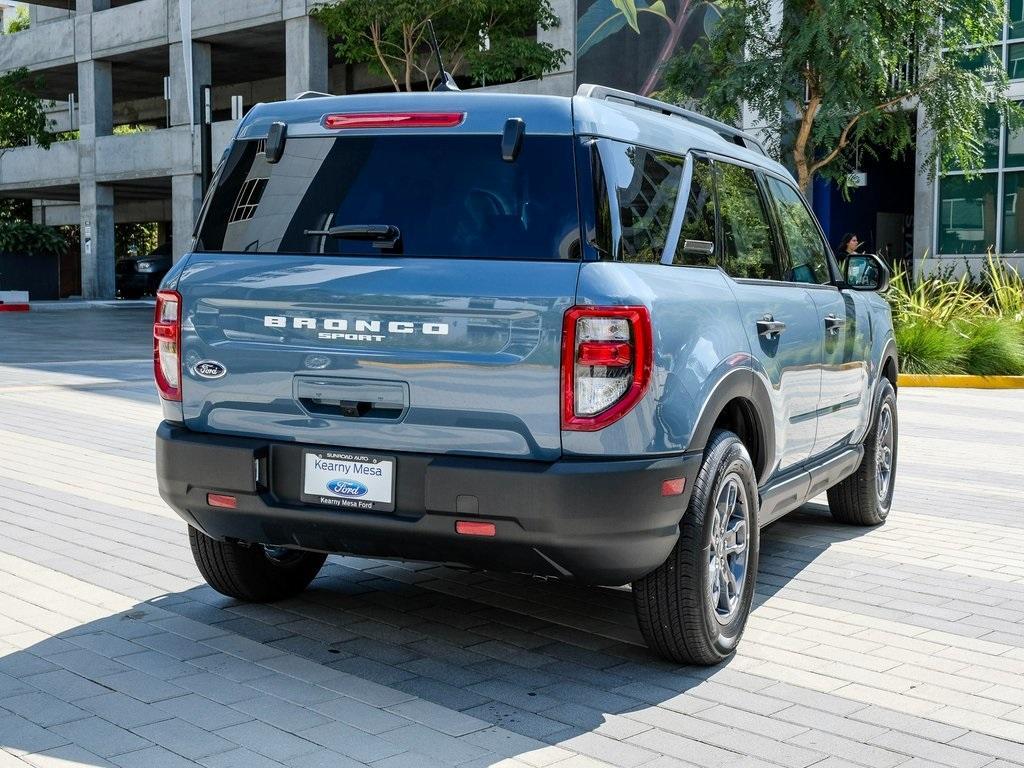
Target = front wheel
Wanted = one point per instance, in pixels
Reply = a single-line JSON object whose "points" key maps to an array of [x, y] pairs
{"points": [[864, 498], [252, 572], [693, 608]]}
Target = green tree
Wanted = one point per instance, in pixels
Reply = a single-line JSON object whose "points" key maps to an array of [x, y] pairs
{"points": [[21, 111], [392, 38], [849, 71]]}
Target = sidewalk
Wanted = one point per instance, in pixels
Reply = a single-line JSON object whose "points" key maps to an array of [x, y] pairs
{"points": [[894, 647]]}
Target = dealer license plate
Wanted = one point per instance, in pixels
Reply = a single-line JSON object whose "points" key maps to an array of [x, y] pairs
{"points": [[349, 480]]}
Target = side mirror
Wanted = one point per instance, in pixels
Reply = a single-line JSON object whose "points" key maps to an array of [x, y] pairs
{"points": [[866, 272]]}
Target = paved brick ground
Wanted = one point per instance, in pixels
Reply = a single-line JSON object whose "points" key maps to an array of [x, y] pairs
{"points": [[900, 646]]}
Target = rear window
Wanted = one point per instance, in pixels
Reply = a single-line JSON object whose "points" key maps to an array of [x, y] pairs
{"points": [[449, 196]]}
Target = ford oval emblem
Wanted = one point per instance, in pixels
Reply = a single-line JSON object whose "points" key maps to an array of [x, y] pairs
{"points": [[209, 369], [351, 488]]}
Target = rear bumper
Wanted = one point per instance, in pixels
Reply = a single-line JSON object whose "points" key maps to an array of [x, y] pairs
{"points": [[599, 522]]}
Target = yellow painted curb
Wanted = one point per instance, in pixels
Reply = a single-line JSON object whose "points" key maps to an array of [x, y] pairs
{"points": [[967, 382]]}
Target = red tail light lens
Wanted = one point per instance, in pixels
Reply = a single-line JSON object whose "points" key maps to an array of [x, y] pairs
{"points": [[395, 120], [606, 364], [167, 345]]}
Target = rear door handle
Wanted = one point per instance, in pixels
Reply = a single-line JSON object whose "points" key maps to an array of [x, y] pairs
{"points": [[833, 323], [769, 327]]}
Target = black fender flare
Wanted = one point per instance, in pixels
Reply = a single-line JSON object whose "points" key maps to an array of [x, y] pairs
{"points": [[743, 384]]}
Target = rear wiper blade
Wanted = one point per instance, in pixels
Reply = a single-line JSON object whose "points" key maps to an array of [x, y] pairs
{"points": [[382, 235]]}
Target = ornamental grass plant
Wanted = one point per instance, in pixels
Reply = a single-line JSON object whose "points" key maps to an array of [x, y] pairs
{"points": [[948, 325]]}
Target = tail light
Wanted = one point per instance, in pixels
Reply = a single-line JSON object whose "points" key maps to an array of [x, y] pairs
{"points": [[167, 345], [606, 364]]}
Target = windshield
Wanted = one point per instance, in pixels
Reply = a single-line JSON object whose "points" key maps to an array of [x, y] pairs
{"points": [[448, 196]]}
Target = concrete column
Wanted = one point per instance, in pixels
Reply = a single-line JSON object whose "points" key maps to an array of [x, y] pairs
{"points": [[186, 188], [87, 6], [186, 197], [924, 195], [95, 101], [201, 75], [306, 56], [96, 208], [96, 201]]}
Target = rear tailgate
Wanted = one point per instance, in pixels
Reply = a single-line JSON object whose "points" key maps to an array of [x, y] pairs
{"points": [[394, 354], [441, 337]]}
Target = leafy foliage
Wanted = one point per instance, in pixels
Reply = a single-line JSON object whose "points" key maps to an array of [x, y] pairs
{"points": [[393, 38], [929, 349], [948, 325], [18, 236], [606, 17], [21, 113], [993, 346], [846, 70], [20, 22]]}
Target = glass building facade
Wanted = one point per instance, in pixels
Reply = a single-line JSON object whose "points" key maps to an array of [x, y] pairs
{"points": [[987, 211]]}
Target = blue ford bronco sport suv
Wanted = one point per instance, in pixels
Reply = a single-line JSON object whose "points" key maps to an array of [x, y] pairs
{"points": [[596, 338]]}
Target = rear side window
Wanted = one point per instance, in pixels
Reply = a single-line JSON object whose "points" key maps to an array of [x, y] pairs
{"points": [[644, 184], [699, 220], [448, 195], [747, 237], [807, 252]]}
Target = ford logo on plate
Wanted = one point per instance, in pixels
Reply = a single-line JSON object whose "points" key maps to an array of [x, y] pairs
{"points": [[209, 369], [347, 488]]}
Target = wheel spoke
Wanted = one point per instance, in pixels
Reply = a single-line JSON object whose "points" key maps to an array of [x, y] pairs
{"points": [[732, 493], [731, 585], [736, 538]]}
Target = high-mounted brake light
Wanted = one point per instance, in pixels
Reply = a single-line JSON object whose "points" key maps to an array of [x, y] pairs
{"points": [[395, 120], [167, 345], [606, 364]]}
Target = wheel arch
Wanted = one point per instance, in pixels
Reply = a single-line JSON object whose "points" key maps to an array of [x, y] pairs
{"points": [[741, 403], [889, 367]]}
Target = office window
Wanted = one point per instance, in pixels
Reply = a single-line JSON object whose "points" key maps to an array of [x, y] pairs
{"points": [[967, 214]]}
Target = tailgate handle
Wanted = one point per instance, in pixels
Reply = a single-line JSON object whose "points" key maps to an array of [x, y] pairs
{"points": [[353, 399]]}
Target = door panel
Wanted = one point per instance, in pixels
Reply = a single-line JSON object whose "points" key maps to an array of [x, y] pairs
{"points": [[779, 318], [845, 322], [790, 361]]}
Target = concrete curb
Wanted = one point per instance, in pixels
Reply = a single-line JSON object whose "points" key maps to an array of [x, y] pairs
{"points": [[959, 381], [66, 305]]}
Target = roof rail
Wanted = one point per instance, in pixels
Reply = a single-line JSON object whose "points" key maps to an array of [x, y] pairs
{"points": [[726, 131], [311, 95]]}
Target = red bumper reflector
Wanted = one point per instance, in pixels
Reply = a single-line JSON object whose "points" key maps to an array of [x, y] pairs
{"points": [[673, 487], [221, 500], [474, 528], [395, 120]]}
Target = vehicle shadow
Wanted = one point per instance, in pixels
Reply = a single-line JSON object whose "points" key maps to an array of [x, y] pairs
{"points": [[377, 659]]}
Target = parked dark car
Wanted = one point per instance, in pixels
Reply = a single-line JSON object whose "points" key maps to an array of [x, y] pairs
{"points": [[139, 276]]}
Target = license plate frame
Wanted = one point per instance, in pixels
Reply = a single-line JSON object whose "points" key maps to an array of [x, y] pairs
{"points": [[345, 480]]}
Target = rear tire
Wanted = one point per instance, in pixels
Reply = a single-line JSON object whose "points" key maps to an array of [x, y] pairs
{"points": [[690, 609], [865, 497], [252, 572]]}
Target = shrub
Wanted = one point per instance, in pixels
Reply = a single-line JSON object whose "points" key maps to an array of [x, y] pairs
{"points": [[930, 349], [17, 236], [1006, 286], [993, 346]]}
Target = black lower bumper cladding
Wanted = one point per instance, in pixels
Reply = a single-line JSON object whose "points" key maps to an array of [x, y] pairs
{"points": [[596, 521]]}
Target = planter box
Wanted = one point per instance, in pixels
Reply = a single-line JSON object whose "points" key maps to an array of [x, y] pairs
{"points": [[37, 274]]}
